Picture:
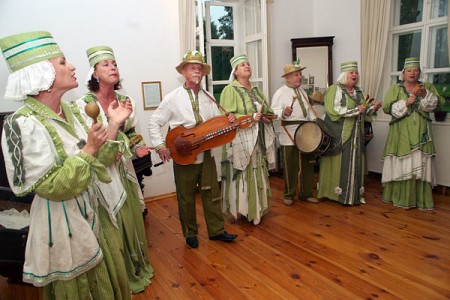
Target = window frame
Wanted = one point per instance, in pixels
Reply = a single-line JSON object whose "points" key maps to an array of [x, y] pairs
{"points": [[425, 27], [241, 40]]}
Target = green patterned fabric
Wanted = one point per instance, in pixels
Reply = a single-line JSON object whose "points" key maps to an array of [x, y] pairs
{"points": [[98, 54], [349, 66], [25, 49]]}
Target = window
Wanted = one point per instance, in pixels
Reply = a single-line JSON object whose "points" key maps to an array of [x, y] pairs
{"points": [[230, 27], [420, 29]]}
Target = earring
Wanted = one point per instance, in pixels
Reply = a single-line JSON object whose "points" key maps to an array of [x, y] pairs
{"points": [[98, 79]]}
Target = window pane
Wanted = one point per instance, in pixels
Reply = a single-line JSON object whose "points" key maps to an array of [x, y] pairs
{"points": [[408, 11], [197, 43], [442, 84], [439, 48], [258, 84], [439, 8], [408, 45], [222, 22], [220, 57], [197, 3], [217, 90], [254, 53], [252, 17]]}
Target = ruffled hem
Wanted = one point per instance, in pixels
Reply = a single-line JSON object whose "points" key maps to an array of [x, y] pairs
{"points": [[30, 81], [40, 281], [13, 219], [419, 165]]}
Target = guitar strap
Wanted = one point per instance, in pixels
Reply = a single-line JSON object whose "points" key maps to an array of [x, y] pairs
{"points": [[215, 101]]}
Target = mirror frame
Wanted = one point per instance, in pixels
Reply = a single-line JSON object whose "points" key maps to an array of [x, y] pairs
{"points": [[316, 42]]}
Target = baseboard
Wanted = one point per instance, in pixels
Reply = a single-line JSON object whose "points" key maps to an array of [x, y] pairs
{"points": [[159, 197]]}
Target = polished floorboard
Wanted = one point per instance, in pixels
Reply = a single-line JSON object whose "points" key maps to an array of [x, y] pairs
{"points": [[303, 251]]}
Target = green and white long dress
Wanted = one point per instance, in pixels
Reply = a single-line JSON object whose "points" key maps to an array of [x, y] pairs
{"points": [[245, 176], [72, 250], [408, 167], [123, 197], [341, 176]]}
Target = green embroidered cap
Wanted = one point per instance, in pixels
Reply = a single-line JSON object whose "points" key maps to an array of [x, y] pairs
{"points": [[194, 57], [25, 49], [349, 66], [98, 54], [411, 62], [27, 56], [292, 67], [238, 59]]}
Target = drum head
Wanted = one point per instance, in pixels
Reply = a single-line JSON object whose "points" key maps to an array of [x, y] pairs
{"points": [[308, 137]]}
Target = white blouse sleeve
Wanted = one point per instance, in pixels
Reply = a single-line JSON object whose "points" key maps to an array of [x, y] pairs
{"points": [[399, 109], [429, 102]]}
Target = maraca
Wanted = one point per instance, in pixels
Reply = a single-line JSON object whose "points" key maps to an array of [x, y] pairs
{"points": [[92, 110]]}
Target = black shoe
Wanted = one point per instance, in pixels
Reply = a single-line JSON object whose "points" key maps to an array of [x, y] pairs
{"points": [[145, 212], [192, 242], [224, 237]]}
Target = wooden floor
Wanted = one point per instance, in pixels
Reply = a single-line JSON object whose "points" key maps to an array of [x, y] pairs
{"points": [[306, 251]]}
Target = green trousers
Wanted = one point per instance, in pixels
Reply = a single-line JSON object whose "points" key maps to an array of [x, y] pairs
{"points": [[293, 160], [187, 179]]}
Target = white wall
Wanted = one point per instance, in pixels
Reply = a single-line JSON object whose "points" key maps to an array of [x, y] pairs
{"points": [[143, 34], [305, 18]]}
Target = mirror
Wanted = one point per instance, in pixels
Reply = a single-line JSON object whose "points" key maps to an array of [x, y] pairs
{"points": [[316, 55]]}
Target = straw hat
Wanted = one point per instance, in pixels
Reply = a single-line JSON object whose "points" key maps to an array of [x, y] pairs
{"points": [[194, 57], [292, 67]]}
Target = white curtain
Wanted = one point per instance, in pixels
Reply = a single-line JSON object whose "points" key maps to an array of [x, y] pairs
{"points": [[375, 18], [186, 10]]}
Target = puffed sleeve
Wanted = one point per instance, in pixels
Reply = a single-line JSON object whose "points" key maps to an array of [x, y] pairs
{"points": [[72, 178], [33, 165], [107, 153], [432, 100]]}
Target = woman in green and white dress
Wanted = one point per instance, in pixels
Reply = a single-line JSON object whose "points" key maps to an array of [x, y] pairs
{"points": [[408, 167], [72, 250], [122, 197], [341, 176], [245, 176]]}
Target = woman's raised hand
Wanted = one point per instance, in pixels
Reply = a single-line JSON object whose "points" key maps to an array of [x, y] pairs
{"points": [[118, 112]]}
